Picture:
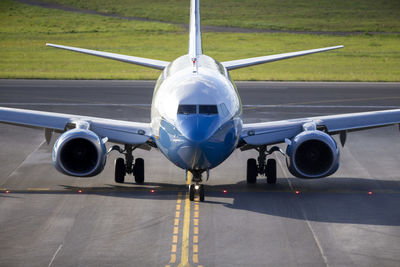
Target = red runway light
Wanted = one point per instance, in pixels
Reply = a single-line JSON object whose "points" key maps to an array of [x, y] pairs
{"points": [[297, 192], [79, 191], [369, 193], [225, 191], [7, 192], [152, 191]]}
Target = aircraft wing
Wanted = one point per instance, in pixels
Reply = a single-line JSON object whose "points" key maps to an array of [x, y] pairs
{"points": [[247, 62], [123, 132], [268, 133], [146, 62]]}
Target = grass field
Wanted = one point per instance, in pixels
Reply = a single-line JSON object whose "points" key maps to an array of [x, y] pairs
{"points": [[25, 30], [310, 15]]}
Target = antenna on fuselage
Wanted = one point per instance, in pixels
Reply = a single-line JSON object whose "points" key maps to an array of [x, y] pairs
{"points": [[195, 43]]}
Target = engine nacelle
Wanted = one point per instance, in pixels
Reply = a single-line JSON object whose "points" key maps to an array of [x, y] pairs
{"points": [[79, 152], [312, 154]]}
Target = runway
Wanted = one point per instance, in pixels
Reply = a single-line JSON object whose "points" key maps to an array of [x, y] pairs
{"points": [[349, 219]]}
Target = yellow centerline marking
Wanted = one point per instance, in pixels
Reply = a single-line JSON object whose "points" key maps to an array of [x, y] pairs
{"points": [[186, 227], [174, 246], [185, 234], [196, 232], [195, 258]]}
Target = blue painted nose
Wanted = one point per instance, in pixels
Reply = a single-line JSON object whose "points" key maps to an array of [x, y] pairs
{"points": [[198, 128]]}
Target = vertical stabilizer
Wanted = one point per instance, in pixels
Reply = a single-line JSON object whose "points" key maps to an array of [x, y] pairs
{"points": [[195, 48]]}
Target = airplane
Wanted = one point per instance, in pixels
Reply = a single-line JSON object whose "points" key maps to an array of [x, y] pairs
{"points": [[196, 123]]}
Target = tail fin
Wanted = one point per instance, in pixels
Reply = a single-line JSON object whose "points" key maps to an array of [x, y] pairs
{"points": [[195, 48]]}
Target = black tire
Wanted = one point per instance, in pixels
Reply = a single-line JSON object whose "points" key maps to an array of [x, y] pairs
{"points": [[138, 171], [201, 193], [191, 192], [251, 171], [270, 171], [119, 165]]}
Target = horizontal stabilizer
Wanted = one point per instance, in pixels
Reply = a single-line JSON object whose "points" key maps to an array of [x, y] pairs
{"points": [[146, 62], [247, 62]]}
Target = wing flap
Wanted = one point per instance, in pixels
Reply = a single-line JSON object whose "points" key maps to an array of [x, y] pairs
{"points": [[358, 121], [146, 62], [124, 132], [268, 133]]}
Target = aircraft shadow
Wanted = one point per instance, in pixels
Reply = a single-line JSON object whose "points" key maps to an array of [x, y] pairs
{"points": [[332, 200]]}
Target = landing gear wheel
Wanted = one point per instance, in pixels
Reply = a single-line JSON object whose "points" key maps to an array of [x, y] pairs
{"points": [[251, 171], [270, 171], [138, 171], [191, 192], [119, 164], [201, 193]]}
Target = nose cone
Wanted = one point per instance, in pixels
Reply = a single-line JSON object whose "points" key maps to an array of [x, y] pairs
{"points": [[197, 131], [197, 142], [198, 128]]}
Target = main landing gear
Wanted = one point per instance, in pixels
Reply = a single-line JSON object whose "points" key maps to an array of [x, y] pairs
{"points": [[262, 166], [196, 188], [123, 167]]}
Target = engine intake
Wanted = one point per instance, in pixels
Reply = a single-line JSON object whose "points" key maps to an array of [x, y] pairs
{"points": [[79, 152], [312, 154]]}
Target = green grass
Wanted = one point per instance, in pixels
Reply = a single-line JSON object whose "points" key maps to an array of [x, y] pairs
{"points": [[310, 15], [24, 30]]}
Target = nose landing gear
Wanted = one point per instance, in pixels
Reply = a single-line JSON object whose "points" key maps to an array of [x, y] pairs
{"points": [[195, 187]]}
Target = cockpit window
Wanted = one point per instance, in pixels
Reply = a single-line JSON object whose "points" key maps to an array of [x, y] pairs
{"points": [[208, 109], [187, 109]]}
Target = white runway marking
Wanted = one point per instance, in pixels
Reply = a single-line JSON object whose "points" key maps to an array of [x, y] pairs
{"points": [[148, 105], [55, 254], [23, 162], [318, 243], [76, 104]]}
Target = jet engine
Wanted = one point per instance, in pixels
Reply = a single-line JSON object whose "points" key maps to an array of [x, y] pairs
{"points": [[312, 154], [79, 152]]}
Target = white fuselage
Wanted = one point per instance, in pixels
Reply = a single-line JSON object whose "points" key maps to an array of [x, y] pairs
{"points": [[196, 113]]}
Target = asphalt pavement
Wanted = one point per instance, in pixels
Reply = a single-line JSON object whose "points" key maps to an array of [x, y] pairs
{"points": [[349, 219]]}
